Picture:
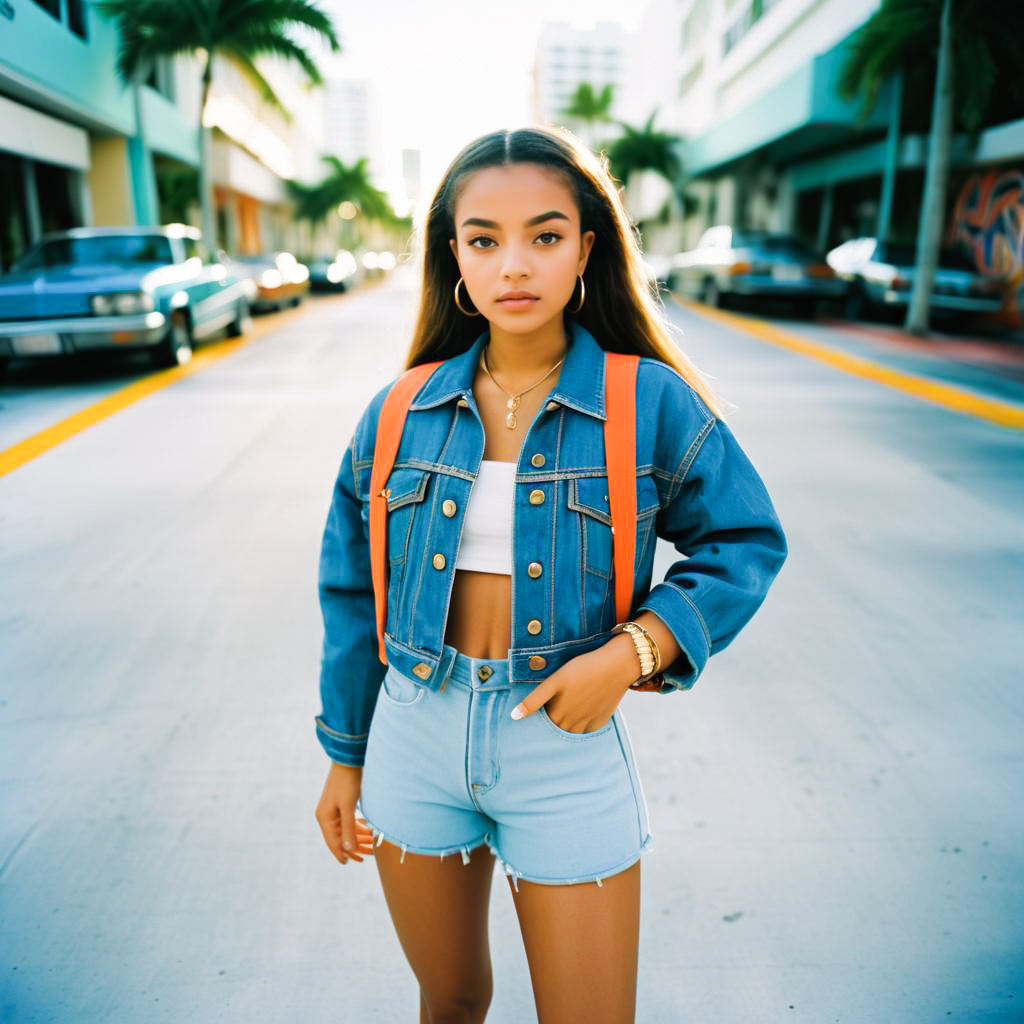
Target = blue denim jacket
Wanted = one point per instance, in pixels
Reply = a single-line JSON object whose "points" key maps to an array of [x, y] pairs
{"points": [[695, 487]]}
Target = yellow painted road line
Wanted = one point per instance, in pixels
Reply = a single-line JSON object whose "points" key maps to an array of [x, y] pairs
{"points": [[1003, 414], [38, 444]]}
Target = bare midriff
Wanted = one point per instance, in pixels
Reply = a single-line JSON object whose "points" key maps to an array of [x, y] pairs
{"points": [[480, 611]]}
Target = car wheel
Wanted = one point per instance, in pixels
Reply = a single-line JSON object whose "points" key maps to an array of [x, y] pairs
{"points": [[242, 321], [176, 348], [710, 295]]}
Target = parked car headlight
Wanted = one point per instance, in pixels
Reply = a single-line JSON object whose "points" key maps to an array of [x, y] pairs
{"points": [[122, 303]]}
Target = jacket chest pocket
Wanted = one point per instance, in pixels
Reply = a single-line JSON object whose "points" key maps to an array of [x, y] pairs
{"points": [[407, 489], [588, 500]]}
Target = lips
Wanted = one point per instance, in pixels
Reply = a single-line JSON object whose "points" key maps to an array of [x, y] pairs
{"points": [[516, 296]]}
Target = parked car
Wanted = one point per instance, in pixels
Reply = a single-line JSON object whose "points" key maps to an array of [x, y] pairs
{"points": [[92, 289], [337, 274], [277, 279], [731, 266], [880, 279]]}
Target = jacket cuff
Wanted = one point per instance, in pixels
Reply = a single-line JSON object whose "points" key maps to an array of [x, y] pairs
{"points": [[340, 747], [671, 604]]}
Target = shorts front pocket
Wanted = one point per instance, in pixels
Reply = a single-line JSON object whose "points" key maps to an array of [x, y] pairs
{"points": [[565, 734], [400, 690]]}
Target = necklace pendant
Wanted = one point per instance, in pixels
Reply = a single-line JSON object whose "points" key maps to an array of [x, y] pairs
{"points": [[512, 403], [510, 421]]}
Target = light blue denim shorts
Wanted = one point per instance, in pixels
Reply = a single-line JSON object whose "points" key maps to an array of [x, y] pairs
{"points": [[448, 770]]}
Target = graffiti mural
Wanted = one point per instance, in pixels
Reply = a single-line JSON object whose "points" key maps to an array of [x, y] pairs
{"points": [[988, 221]]}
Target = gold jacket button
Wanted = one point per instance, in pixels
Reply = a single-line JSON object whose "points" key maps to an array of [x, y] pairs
{"points": [[533, 627], [534, 569], [537, 662], [422, 670], [448, 507], [439, 562], [386, 492], [463, 403], [551, 405], [536, 497], [538, 460]]}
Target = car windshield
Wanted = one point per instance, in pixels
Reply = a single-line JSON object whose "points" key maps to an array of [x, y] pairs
{"points": [[904, 254], [774, 245], [899, 254], [62, 252]]}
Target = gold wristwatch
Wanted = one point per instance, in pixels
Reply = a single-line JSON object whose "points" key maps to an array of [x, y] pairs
{"points": [[646, 650]]}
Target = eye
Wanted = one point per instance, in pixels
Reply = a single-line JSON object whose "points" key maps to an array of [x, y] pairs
{"points": [[549, 234], [480, 238]]}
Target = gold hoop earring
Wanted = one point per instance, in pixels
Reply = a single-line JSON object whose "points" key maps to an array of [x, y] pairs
{"points": [[583, 292], [459, 304]]}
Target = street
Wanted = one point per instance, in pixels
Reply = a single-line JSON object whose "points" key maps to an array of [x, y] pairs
{"points": [[832, 805]]}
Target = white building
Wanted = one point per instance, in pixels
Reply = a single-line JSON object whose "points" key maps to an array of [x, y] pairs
{"points": [[568, 56], [352, 123]]}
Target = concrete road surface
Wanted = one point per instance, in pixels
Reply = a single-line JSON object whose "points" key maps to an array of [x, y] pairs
{"points": [[836, 805]]}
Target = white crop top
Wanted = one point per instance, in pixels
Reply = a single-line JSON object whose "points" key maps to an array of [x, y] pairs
{"points": [[486, 544]]}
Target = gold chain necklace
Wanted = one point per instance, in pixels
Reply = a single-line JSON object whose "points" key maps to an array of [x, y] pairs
{"points": [[513, 400]]}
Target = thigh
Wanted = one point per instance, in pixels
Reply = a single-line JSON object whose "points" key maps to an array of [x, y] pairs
{"points": [[439, 908], [582, 945]]}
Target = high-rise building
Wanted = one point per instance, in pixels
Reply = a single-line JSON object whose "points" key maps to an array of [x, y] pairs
{"points": [[568, 56]]}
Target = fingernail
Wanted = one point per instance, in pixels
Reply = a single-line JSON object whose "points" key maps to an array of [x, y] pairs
{"points": [[517, 711], [348, 845]]}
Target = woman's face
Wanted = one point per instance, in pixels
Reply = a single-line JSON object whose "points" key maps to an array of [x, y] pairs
{"points": [[517, 229]]}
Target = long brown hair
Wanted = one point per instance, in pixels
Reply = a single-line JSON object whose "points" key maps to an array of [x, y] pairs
{"points": [[622, 310]]}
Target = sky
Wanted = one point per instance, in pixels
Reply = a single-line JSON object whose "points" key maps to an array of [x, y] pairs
{"points": [[450, 70]]}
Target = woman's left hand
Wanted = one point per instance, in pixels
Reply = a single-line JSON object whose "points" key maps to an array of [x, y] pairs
{"points": [[583, 694]]}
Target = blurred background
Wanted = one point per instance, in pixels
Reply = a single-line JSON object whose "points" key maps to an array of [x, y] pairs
{"points": [[799, 126], [208, 252]]}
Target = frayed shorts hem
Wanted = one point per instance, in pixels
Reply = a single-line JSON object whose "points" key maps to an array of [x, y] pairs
{"points": [[511, 872], [516, 875], [428, 851]]}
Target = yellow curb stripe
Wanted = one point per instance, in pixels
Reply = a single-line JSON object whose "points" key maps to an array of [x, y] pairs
{"points": [[1003, 414], [38, 444]]}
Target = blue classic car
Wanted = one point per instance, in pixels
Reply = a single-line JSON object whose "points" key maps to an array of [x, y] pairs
{"points": [[118, 288]]}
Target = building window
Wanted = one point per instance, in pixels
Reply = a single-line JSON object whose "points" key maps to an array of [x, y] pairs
{"points": [[52, 7], [161, 77], [76, 18]]}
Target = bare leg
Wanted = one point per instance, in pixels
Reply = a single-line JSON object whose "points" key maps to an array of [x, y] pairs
{"points": [[439, 909], [582, 945]]}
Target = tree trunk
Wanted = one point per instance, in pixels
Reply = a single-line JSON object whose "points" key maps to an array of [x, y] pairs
{"points": [[892, 151], [209, 223], [933, 204], [141, 162]]}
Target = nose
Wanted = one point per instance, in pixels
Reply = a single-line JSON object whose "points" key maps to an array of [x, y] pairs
{"points": [[516, 264]]}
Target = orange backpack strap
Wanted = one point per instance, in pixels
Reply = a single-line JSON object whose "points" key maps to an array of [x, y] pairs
{"points": [[389, 435], [620, 455]]}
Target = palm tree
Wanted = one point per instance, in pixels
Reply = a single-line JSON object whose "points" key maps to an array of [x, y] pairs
{"points": [[959, 44], [239, 30], [589, 108], [342, 182], [645, 149]]}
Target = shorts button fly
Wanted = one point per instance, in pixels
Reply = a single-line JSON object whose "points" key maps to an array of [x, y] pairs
{"points": [[485, 672]]}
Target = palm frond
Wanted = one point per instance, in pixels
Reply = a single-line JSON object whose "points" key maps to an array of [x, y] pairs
{"points": [[258, 41], [898, 33]]}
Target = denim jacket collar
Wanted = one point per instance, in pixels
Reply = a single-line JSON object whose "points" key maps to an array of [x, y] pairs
{"points": [[580, 384]]}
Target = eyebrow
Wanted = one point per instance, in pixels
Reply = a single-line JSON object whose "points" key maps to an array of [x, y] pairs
{"points": [[480, 222]]}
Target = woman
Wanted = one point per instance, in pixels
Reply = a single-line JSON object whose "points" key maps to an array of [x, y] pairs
{"points": [[496, 730]]}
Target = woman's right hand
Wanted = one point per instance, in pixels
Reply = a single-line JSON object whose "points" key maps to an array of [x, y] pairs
{"points": [[345, 835]]}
